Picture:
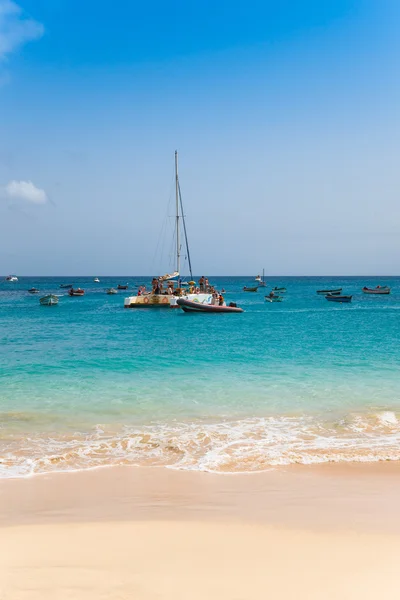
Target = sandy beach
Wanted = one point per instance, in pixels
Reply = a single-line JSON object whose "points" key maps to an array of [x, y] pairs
{"points": [[116, 533]]}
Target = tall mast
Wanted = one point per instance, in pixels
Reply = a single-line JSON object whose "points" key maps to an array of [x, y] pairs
{"points": [[178, 249]]}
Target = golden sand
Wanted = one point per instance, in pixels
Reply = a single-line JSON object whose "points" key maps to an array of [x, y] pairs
{"points": [[156, 534]]}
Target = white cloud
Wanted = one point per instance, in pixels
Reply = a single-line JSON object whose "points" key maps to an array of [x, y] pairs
{"points": [[26, 191], [15, 28]]}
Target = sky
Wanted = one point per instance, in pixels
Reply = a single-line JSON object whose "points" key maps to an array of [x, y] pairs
{"points": [[285, 116]]}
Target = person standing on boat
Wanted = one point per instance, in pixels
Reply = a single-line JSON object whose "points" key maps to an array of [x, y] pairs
{"points": [[201, 282], [221, 300]]}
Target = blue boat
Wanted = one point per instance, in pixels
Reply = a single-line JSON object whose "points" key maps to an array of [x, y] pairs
{"points": [[336, 298]]}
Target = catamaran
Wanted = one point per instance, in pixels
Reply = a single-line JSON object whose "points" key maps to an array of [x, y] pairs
{"points": [[168, 288]]}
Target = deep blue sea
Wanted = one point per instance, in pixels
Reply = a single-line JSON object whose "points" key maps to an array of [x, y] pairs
{"points": [[88, 383]]}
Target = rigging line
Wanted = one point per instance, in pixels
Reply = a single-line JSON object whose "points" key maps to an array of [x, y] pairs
{"points": [[162, 235], [184, 230]]}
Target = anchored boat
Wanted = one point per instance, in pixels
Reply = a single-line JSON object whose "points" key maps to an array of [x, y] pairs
{"points": [[250, 289], [49, 300], [33, 290], [111, 291], [332, 292], [168, 288], [340, 299], [381, 290], [76, 292], [273, 298]]}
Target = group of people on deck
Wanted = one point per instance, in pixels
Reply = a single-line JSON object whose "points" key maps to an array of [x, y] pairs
{"points": [[158, 286]]}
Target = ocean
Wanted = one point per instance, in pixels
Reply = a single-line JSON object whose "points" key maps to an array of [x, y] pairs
{"points": [[88, 383]]}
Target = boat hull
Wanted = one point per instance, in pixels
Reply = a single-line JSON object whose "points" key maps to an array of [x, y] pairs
{"points": [[340, 299], [148, 301], [197, 307], [250, 289], [273, 299], [333, 292], [163, 300], [377, 291], [49, 300]]}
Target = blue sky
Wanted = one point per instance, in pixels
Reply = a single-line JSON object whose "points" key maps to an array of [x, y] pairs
{"points": [[285, 115]]}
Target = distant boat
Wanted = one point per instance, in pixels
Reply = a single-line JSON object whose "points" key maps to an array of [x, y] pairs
{"points": [[250, 289], [325, 292], [258, 278], [49, 300], [382, 290], [122, 287], [11, 278], [198, 307], [261, 280], [33, 291], [111, 291], [273, 298], [336, 298], [282, 290], [76, 292], [96, 280], [66, 286]]}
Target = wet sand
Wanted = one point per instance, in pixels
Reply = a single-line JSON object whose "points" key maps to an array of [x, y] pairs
{"points": [[116, 533]]}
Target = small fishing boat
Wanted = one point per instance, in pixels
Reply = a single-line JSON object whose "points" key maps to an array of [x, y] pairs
{"points": [[198, 307], [33, 291], [76, 292], [273, 298], [332, 292], [250, 289], [11, 278], [96, 280], [66, 286], [281, 290], [381, 290], [122, 287], [111, 291], [49, 300], [336, 298]]}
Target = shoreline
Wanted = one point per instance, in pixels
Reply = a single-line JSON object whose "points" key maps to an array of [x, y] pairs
{"points": [[359, 496]]}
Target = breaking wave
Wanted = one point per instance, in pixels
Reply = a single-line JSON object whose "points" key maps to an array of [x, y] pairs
{"points": [[224, 446]]}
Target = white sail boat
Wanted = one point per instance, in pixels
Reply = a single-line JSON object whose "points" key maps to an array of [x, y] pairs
{"points": [[168, 288], [261, 280]]}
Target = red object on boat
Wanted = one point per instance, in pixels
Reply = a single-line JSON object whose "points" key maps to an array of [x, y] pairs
{"points": [[192, 307], [77, 292]]}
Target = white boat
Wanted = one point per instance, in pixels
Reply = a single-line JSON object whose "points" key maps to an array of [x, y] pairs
{"points": [[96, 280], [261, 280], [11, 278], [168, 296], [49, 300], [111, 291]]}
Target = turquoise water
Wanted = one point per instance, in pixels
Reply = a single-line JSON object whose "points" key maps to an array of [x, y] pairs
{"points": [[89, 383]]}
